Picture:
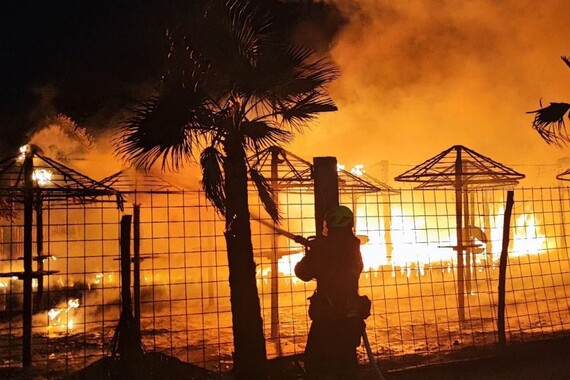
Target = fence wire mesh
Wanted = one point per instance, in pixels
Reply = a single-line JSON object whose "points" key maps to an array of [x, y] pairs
{"points": [[410, 273]]}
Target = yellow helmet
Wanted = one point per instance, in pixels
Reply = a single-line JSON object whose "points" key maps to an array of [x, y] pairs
{"points": [[339, 216]]}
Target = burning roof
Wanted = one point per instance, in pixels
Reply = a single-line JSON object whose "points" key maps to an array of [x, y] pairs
{"points": [[290, 171], [131, 180], [460, 167], [55, 180]]}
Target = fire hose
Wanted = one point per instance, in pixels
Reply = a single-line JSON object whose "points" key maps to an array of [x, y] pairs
{"points": [[306, 243]]}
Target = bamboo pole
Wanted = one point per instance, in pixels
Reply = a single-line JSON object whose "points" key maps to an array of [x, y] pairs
{"points": [[503, 269]]}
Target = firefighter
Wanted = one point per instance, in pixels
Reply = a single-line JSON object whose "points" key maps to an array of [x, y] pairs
{"points": [[336, 310]]}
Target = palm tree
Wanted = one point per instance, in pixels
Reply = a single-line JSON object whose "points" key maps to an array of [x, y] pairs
{"points": [[230, 89], [549, 121]]}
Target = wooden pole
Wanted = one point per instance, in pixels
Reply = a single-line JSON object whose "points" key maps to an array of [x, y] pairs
{"points": [[274, 257], [137, 265], [325, 176], [467, 239], [386, 211], [459, 232], [39, 249], [487, 228], [28, 270], [503, 268], [126, 263]]}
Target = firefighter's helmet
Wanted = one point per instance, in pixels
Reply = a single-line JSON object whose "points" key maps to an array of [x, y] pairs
{"points": [[338, 217]]}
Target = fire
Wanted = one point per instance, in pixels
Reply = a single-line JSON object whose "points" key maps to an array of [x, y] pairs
{"points": [[23, 150], [60, 319], [358, 170], [414, 249], [42, 176], [528, 238]]}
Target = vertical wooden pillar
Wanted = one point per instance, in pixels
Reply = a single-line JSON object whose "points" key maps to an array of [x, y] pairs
{"points": [[28, 270], [126, 263], [468, 242], [459, 232], [274, 256], [137, 265], [503, 269], [39, 249], [488, 228], [325, 176], [386, 211]]}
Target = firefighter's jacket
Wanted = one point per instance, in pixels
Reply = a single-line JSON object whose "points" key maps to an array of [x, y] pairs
{"points": [[336, 263]]}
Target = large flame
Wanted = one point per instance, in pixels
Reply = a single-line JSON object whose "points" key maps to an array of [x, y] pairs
{"points": [[411, 253]]}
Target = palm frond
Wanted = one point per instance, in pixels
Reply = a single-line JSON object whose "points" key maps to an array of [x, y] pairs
{"points": [[266, 194], [213, 179], [262, 134], [566, 60], [549, 123], [165, 127], [285, 71], [297, 112], [228, 36]]}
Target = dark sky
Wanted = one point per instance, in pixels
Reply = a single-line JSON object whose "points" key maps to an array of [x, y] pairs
{"points": [[91, 59]]}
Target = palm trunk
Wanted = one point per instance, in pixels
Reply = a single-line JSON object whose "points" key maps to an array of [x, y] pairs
{"points": [[249, 343]]}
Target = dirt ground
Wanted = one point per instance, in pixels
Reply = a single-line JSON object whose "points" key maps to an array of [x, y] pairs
{"points": [[542, 360]]}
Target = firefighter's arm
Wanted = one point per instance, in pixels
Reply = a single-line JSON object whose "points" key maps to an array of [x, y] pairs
{"points": [[304, 269]]}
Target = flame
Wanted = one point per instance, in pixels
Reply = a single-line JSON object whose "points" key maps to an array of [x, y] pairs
{"points": [[23, 150], [60, 320], [358, 170], [528, 237], [415, 247], [42, 176]]}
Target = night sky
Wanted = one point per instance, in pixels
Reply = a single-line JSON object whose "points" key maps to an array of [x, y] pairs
{"points": [[92, 60], [417, 76]]}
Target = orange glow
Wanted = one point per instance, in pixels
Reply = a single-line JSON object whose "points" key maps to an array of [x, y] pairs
{"points": [[412, 254], [60, 319]]}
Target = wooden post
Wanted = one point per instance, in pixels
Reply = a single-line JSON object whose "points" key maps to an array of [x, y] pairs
{"points": [[274, 256], [326, 188], [459, 232], [39, 250], [503, 269], [137, 265], [126, 263], [467, 239], [488, 229], [386, 211], [28, 270]]}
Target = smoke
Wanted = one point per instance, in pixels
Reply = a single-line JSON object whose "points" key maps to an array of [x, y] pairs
{"points": [[416, 76], [421, 76]]}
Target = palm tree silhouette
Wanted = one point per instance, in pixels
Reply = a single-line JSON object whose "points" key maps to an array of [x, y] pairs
{"points": [[549, 121], [232, 87]]}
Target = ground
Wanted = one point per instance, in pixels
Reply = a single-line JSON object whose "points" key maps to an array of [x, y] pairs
{"points": [[541, 360]]}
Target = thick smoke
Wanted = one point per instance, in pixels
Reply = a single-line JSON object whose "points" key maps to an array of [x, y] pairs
{"points": [[417, 76], [421, 76]]}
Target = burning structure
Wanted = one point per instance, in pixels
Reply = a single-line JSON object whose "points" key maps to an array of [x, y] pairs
{"points": [[183, 302]]}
